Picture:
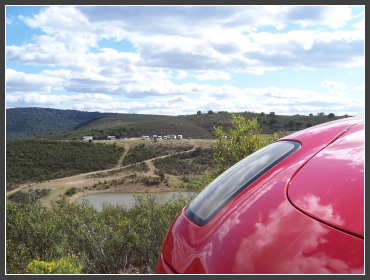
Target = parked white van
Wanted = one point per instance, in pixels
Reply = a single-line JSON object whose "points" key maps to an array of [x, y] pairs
{"points": [[179, 137], [144, 137]]}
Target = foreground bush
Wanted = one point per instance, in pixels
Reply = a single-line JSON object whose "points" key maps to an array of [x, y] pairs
{"points": [[114, 241], [243, 139], [69, 265]]}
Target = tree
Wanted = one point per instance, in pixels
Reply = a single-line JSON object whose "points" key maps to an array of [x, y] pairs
{"points": [[272, 114], [331, 115], [199, 113], [310, 114], [243, 139], [210, 112], [321, 114]]}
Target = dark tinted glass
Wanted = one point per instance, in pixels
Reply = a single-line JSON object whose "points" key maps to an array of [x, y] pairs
{"points": [[238, 177]]}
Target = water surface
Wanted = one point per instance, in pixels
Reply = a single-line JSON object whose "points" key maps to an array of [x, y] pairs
{"points": [[125, 199]]}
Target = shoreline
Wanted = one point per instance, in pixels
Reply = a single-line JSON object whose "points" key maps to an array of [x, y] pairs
{"points": [[131, 188]]}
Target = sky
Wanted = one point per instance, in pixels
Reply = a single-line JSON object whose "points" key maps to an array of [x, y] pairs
{"points": [[179, 60]]}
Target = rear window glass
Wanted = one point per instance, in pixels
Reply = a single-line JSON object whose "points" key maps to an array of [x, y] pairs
{"points": [[238, 177]]}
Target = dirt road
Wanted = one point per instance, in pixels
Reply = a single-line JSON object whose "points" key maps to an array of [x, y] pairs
{"points": [[84, 182]]}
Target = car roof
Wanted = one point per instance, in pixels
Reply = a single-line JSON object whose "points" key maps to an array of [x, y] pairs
{"points": [[330, 186]]}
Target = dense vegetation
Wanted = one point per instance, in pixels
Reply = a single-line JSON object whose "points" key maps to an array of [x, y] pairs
{"points": [[116, 240], [196, 162], [32, 122], [57, 124], [34, 160], [148, 150], [243, 139]]}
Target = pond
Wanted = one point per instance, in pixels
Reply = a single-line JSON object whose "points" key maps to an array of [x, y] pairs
{"points": [[125, 199]]}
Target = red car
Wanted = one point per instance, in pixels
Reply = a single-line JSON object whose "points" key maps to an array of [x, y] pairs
{"points": [[295, 206]]}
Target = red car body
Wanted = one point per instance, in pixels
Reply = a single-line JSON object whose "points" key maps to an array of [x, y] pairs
{"points": [[304, 214]]}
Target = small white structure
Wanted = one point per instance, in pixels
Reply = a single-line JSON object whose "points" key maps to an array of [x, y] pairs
{"points": [[168, 137], [154, 137], [159, 137], [144, 137], [87, 138], [179, 136], [164, 137], [111, 137], [173, 136]]}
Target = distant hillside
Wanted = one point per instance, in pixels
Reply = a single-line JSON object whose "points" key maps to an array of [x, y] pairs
{"points": [[55, 124], [32, 122]]}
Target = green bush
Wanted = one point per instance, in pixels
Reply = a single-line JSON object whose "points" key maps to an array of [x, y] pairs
{"points": [[69, 265], [243, 139], [71, 191], [114, 241]]}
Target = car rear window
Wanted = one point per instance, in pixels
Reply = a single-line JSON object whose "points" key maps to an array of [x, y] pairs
{"points": [[234, 180]]}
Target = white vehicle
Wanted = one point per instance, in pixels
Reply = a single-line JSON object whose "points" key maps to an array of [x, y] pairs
{"points": [[154, 137], [179, 137], [111, 137], [159, 137], [144, 137], [165, 137], [173, 136], [87, 138], [168, 137]]}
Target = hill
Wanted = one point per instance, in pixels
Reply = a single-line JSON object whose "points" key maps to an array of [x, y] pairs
{"points": [[55, 124], [32, 122]]}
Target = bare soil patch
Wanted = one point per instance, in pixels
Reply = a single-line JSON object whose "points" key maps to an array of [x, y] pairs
{"points": [[83, 182]]}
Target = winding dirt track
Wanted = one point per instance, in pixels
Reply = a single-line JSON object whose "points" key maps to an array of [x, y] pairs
{"points": [[81, 181]]}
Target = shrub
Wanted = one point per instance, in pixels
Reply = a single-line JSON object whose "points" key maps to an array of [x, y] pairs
{"points": [[69, 265], [71, 191], [245, 139]]}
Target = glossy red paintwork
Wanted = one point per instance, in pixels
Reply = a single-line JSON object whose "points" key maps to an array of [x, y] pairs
{"points": [[261, 232], [336, 195]]}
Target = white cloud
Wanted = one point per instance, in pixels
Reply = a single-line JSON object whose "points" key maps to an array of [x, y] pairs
{"points": [[361, 87], [360, 25], [8, 20], [212, 75], [181, 74], [306, 16], [333, 85], [79, 52], [22, 82]]}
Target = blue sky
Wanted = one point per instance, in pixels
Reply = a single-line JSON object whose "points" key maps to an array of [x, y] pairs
{"points": [[178, 60]]}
